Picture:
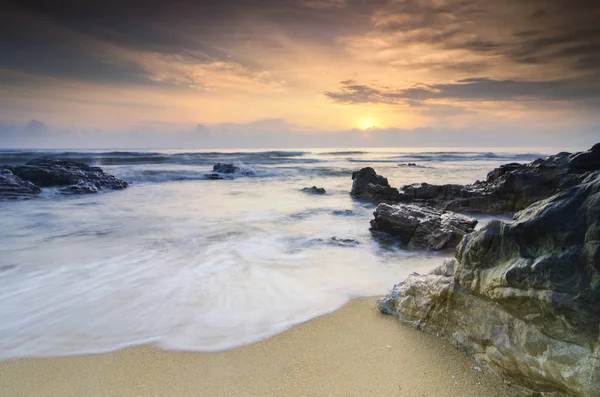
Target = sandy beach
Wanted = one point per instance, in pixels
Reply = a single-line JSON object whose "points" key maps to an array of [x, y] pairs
{"points": [[355, 351]]}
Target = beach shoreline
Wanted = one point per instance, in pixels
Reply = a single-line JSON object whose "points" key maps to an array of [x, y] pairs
{"points": [[355, 351]]}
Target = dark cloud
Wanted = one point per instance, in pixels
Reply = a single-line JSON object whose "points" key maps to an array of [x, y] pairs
{"points": [[53, 36], [564, 32], [56, 37], [472, 89]]}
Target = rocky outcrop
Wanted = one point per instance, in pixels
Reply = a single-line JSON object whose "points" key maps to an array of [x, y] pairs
{"points": [[422, 228], [510, 187], [77, 177], [507, 189], [223, 168], [226, 171], [314, 190], [13, 187], [522, 297], [367, 185]]}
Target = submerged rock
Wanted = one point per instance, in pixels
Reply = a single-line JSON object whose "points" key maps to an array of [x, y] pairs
{"points": [[223, 168], [510, 187], [522, 297], [340, 242], [314, 190], [222, 171], [422, 228], [13, 187], [79, 177], [367, 185], [215, 177]]}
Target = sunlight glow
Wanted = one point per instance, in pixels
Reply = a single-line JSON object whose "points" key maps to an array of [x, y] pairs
{"points": [[366, 124]]}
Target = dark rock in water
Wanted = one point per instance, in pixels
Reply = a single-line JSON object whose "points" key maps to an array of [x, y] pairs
{"points": [[340, 242], [13, 187], [223, 168], [47, 172], [226, 171], [214, 176], [422, 228], [343, 212], [511, 187], [314, 190], [80, 188], [522, 297], [367, 185]]}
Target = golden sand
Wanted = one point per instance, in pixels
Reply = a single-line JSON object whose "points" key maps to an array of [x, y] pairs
{"points": [[355, 351]]}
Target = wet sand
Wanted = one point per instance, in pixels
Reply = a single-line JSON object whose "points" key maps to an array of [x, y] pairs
{"points": [[355, 351]]}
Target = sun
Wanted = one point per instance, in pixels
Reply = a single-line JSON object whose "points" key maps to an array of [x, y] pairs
{"points": [[366, 124]]}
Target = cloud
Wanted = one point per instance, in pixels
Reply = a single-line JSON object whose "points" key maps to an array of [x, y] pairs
{"points": [[471, 89], [323, 4]]}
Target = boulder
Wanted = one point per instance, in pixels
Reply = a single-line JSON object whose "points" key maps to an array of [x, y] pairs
{"points": [[422, 228], [522, 297], [222, 171], [46, 172], [367, 185], [13, 187], [510, 187], [223, 168], [314, 190]]}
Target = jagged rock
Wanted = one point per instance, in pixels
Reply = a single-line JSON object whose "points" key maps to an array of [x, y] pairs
{"points": [[47, 172], [511, 187], [422, 228], [223, 168], [367, 185], [314, 190], [13, 187], [522, 297]]}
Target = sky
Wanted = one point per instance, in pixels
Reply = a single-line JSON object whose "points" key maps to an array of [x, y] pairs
{"points": [[299, 73]]}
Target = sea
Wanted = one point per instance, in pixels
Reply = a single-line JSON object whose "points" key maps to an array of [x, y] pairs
{"points": [[186, 263]]}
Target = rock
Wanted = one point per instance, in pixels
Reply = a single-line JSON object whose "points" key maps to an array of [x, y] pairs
{"points": [[214, 177], [314, 190], [226, 171], [80, 188], [511, 187], [522, 297], [367, 185], [13, 187], [223, 168], [422, 228], [80, 177], [340, 242], [343, 213]]}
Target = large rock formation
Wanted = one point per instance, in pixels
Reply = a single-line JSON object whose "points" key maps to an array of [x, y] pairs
{"points": [[523, 297], [511, 187], [422, 228], [76, 177], [507, 189], [367, 185], [13, 187]]}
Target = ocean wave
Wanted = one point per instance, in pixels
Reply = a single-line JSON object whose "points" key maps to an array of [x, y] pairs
{"points": [[131, 158], [344, 153]]}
